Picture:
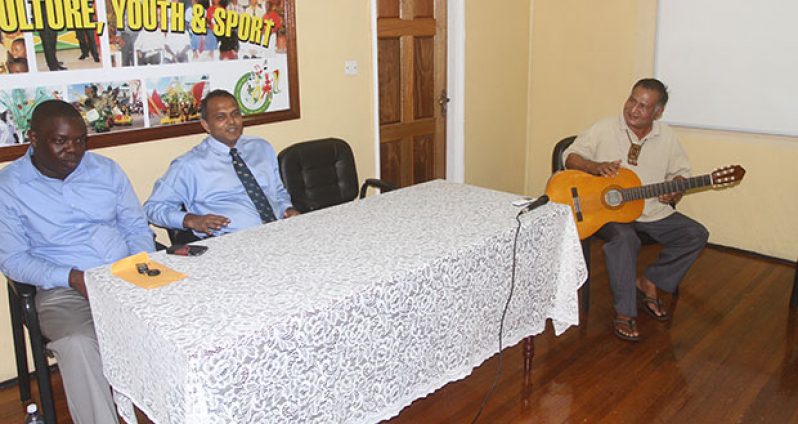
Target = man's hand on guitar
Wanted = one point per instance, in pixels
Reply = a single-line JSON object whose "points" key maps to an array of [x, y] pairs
{"points": [[672, 198], [606, 169]]}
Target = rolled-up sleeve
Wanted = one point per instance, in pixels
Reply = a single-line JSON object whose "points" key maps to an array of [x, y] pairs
{"points": [[163, 208], [16, 260]]}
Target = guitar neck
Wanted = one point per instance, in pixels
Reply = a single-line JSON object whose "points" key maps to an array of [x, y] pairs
{"points": [[658, 189]]}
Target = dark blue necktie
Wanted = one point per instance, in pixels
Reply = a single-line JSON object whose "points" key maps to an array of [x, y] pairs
{"points": [[252, 187]]}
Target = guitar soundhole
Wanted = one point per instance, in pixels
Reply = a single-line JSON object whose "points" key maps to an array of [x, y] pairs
{"points": [[613, 198]]}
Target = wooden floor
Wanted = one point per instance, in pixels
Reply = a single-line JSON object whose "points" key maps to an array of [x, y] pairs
{"points": [[730, 355]]}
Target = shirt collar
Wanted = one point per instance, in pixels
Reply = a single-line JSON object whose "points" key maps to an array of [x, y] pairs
{"points": [[655, 129], [28, 171], [220, 148]]}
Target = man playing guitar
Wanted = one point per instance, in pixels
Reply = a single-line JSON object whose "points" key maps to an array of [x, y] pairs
{"points": [[636, 141]]}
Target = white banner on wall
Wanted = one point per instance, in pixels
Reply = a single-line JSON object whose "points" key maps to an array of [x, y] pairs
{"points": [[730, 64]]}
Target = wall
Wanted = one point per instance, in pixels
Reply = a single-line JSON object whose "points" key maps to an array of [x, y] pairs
{"points": [[536, 71], [584, 58], [332, 104], [497, 74]]}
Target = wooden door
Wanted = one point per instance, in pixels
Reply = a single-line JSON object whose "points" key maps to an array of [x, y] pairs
{"points": [[412, 98]]}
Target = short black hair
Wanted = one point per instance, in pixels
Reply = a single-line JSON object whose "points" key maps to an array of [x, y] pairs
{"points": [[656, 85], [212, 95], [49, 109]]}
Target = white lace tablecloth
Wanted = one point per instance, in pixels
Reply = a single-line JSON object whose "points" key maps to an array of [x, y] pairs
{"points": [[344, 315]]}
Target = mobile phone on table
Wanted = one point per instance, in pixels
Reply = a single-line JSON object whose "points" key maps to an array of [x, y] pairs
{"points": [[186, 250]]}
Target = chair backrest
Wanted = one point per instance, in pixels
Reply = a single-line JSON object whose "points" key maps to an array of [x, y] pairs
{"points": [[557, 163], [319, 173]]}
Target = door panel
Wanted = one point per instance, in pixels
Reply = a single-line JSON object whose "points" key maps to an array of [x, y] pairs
{"points": [[390, 80], [388, 9], [423, 158], [411, 57], [424, 9], [391, 160], [424, 77]]}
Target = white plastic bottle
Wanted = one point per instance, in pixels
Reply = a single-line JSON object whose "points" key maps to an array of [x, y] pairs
{"points": [[33, 416]]}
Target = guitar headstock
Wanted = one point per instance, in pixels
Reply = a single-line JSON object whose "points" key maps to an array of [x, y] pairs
{"points": [[727, 175]]}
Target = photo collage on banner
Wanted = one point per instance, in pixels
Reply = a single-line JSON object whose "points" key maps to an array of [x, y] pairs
{"points": [[136, 64]]}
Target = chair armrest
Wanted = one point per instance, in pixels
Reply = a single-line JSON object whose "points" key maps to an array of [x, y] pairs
{"points": [[21, 289], [181, 236], [178, 235], [383, 186]]}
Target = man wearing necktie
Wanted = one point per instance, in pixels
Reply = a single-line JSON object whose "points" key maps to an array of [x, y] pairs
{"points": [[226, 183]]}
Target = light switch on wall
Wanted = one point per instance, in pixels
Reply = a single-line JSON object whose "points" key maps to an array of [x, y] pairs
{"points": [[350, 67]]}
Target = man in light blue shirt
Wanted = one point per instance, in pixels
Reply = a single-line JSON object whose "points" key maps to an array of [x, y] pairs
{"points": [[63, 211], [201, 190]]}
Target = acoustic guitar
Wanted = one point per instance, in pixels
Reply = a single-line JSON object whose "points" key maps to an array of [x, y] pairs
{"points": [[597, 200]]}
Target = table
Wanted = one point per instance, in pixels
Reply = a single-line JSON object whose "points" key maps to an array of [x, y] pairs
{"points": [[344, 315]]}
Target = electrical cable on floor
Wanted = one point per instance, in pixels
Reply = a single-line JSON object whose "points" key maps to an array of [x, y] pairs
{"points": [[501, 323]]}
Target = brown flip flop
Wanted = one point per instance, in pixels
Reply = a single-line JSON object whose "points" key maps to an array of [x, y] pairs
{"points": [[630, 324], [646, 303]]}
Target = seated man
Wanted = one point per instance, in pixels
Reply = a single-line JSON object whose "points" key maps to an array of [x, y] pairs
{"points": [[226, 183], [651, 150], [64, 211]]}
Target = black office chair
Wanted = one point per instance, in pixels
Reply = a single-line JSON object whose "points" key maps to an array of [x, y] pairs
{"points": [[558, 164], [180, 236], [22, 305], [177, 235], [322, 173]]}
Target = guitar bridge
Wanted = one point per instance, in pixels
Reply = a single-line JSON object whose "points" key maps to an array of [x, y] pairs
{"points": [[577, 204]]}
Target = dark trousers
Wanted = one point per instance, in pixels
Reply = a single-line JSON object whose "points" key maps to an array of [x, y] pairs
{"points": [[682, 240], [127, 50], [49, 40], [87, 44]]}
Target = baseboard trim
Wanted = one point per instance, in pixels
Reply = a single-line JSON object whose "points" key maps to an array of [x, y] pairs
{"points": [[13, 382], [751, 254]]}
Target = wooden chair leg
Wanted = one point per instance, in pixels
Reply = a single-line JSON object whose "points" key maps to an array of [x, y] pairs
{"points": [[794, 297], [529, 353]]}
